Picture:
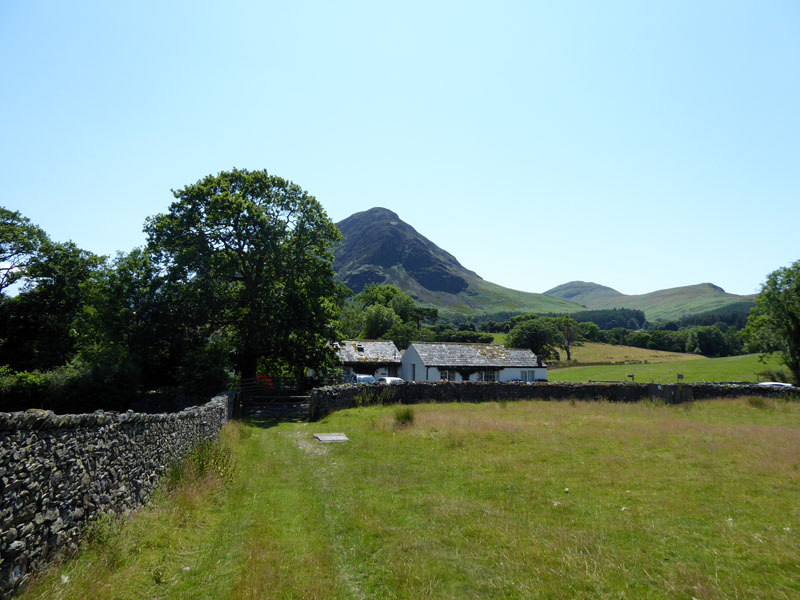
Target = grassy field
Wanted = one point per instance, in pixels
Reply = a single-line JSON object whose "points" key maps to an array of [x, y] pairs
{"points": [[499, 338], [730, 368], [592, 352], [510, 500]]}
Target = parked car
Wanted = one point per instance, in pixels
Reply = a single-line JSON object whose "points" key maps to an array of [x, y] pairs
{"points": [[389, 380], [356, 378], [777, 384]]}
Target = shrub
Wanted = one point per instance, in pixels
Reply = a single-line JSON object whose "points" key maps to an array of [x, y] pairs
{"points": [[104, 535], [404, 416], [209, 459], [212, 458], [759, 402]]}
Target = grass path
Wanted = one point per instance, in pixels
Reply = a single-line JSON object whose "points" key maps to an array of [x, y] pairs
{"points": [[517, 500]]}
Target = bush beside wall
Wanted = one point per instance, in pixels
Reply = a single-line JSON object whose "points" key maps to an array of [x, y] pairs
{"points": [[59, 472]]}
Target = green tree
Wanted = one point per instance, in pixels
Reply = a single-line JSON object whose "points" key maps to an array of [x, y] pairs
{"points": [[378, 321], [376, 293], [403, 306], [20, 242], [774, 322], [571, 335], [39, 323], [590, 331], [423, 315], [640, 339], [402, 334], [708, 341], [255, 252], [539, 334], [351, 321], [148, 326]]}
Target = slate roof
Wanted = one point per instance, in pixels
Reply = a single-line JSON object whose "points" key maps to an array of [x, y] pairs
{"points": [[373, 351], [450, 354]]}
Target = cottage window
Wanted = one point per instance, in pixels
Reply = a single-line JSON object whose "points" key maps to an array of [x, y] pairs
{"points": [[487, 376]]}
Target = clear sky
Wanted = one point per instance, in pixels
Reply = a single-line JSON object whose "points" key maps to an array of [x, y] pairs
{"points": [[641, 145]]}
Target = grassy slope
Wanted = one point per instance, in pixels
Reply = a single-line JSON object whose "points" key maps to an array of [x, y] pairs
{"points": [[481, 297], [493, 298], [592, 352], [731, 368], [673, 303], [584, 292], [668, 304], [471, 502]]}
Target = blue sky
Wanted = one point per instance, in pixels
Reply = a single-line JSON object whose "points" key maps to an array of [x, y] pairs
{"points": [[640, 145]]}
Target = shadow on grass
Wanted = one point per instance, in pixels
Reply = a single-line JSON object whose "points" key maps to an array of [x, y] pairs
{"points": [[266, 414]]}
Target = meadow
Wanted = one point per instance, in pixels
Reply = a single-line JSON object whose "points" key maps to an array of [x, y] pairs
{"points": [[597, 353], [496, 500], [747, 368]]}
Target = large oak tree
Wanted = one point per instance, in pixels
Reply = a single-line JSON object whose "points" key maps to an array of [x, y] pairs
{"points": [[255, 251]]}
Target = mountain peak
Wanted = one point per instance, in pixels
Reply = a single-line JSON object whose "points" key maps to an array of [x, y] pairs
{"points": [[378, 247], [716, 288], [376, 212]]}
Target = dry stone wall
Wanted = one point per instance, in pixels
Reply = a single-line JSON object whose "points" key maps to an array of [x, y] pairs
{"points": [[59, 472], [329, 399]]}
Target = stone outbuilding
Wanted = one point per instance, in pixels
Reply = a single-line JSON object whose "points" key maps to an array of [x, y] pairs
{"points": [[379, 358]]}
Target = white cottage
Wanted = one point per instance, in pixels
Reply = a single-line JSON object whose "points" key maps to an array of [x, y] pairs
{"points": [[434, 361]]}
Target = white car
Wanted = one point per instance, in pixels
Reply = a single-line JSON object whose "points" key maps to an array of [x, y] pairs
{"points": [[777, 384], [356, 378], [389, 380]]}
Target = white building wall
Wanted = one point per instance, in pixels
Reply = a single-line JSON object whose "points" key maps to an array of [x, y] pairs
{"points": [[514, 374], [407, 372], [523, 374], [413, 369]]}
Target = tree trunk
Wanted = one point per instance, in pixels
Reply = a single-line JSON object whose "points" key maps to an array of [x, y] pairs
{"points": [[248, 365]]}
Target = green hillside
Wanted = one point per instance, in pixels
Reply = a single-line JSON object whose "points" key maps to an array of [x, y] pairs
{"points": [[731, 368], [585, 293], [669, 304]]}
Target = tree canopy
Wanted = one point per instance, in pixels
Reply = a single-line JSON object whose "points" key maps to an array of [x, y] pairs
{"points": [[20, 241], [538, 334], [383, 311], [38, 330], [255, 253], [774, 322]]}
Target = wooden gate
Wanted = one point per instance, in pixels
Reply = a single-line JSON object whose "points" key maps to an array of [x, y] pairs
{"points": [[274, 397]]}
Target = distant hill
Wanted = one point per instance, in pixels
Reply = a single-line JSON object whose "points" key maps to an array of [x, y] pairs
{"points": [[669, 304], [585, 293], [378, 247]]}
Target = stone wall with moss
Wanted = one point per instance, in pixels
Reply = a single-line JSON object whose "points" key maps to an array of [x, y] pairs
{"points": [[329, 399], [59, 472]]}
